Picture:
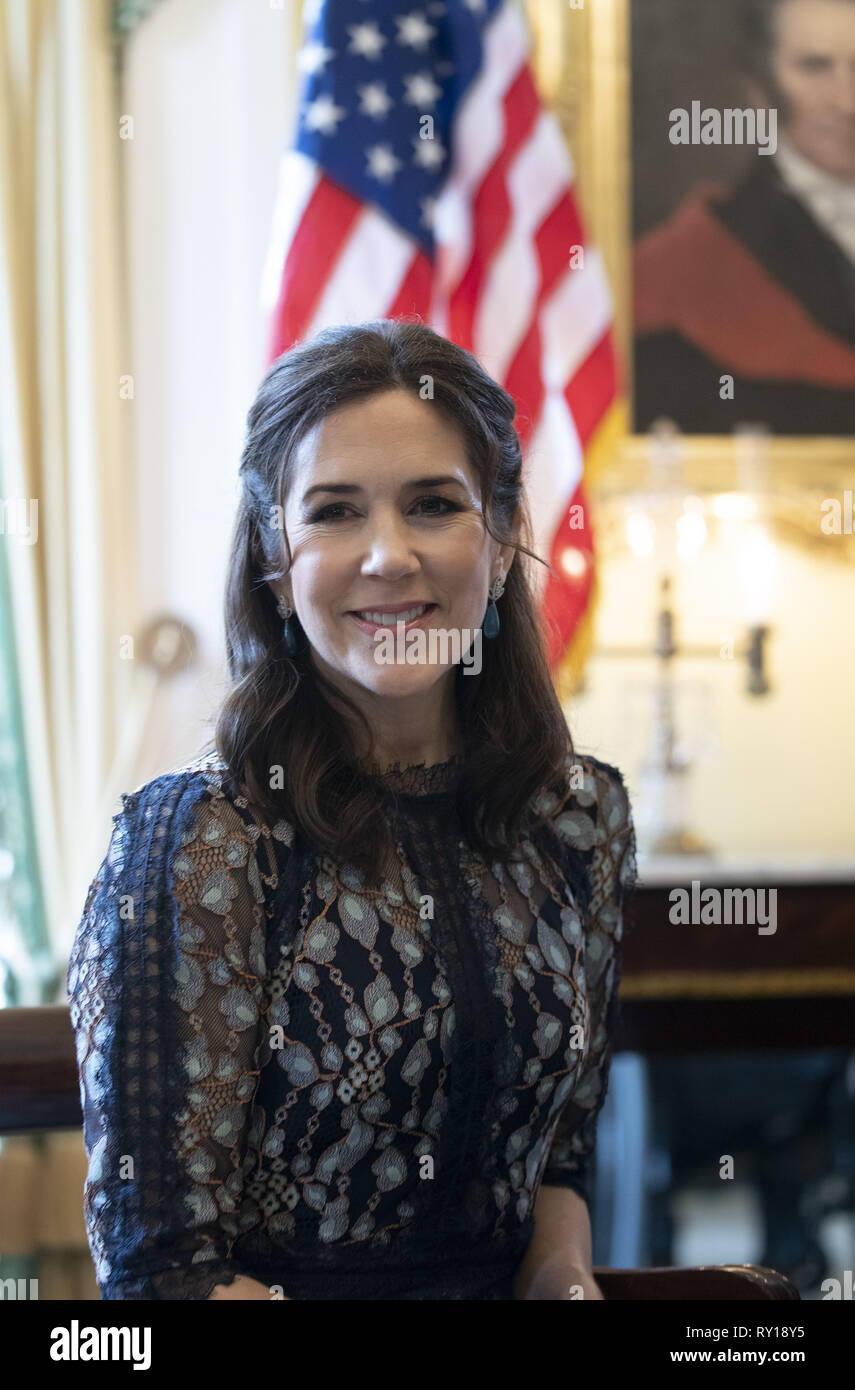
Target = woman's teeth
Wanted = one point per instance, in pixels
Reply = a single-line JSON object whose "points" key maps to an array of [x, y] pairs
{"points": [[390, 619]]}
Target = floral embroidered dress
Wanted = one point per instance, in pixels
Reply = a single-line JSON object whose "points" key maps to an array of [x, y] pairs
{"points": [[342, 1091]]}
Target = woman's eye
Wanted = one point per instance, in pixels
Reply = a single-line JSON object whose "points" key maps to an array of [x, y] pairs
{"points": [[326, 513], [444, 501]]}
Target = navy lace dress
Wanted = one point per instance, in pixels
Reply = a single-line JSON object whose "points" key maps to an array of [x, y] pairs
{"points": [[345, 1092]]}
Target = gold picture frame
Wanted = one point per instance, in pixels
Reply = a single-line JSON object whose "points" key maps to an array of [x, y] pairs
{"points": [[582, 62]]}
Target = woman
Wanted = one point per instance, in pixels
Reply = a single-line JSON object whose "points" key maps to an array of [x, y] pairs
{"points": [[344, 987]]}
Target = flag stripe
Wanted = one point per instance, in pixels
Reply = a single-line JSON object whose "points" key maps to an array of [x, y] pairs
{"points": [[536, 182], [574, 318], [318, 241], [479, 132], [524, 379], [414, 295], [492, 208], [553, 468], [592, 389], [298, 177], [368, 272]]}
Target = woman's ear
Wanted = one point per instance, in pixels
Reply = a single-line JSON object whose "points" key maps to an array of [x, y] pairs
{"points": [[507, 554]]}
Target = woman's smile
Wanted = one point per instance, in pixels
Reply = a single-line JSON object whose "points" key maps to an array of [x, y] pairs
{"points": [[372, 620]]}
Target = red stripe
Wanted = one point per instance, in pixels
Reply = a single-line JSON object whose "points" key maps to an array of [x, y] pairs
{"points": [[413, 299], [327, 222], [552, 241], [524, 381], [592, 388], [558, 232], [491, 206], [589, 393], [565, 598]]}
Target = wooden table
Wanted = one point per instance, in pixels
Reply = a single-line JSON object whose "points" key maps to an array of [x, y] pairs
{"points": [[703, 987]]}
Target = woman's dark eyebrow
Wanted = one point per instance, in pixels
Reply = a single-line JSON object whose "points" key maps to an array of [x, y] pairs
{"points": [[439, 481]]}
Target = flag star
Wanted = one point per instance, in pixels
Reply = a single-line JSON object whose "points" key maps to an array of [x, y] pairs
{"points": [[476, 6], [313, 57], [422, 91], [383, 164], [375, 99], [413, 29], [366, 40], [322, 114], [429, 153]]}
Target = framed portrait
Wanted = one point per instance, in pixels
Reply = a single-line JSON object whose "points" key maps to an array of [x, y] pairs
{"points": [[714, 147]]}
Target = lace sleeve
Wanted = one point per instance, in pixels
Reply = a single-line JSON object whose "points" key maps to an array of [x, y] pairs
{"points": [[597, 820], [165, 986]]}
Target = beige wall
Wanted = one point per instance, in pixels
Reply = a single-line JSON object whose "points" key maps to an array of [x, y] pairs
{"points": [[782, 778]]}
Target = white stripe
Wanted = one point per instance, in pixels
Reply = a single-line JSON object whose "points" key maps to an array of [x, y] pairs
{"points": [[552, 469], [572, 322], [367, 275], [479, 131], [573, 319], [537, 179], [298, 178]]}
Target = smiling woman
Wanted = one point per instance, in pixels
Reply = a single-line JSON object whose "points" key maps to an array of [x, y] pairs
{"points": [[429, 509], [350, 1019]]}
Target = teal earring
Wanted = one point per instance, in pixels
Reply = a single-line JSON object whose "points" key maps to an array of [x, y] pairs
{"points": [[490, 625], [289, 635]]}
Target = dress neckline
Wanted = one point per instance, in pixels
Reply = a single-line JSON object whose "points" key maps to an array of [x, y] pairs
{"points": [[421, 780]]}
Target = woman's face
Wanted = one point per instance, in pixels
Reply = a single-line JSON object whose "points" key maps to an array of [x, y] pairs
{"points": [[383, 510]]}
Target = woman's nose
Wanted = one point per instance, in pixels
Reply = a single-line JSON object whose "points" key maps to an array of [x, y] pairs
{"points": [[388, 548]]}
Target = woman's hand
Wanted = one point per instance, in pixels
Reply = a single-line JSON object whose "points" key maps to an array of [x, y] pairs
{"points": [[558, 1280], [582, 1279], [558, 1261]]}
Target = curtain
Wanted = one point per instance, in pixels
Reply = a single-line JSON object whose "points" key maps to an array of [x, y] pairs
{"points": [[64, 426], [211, 85], [27, 964]]}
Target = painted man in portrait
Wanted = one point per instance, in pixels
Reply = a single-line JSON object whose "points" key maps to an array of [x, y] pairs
{"points": [[757, 282]]}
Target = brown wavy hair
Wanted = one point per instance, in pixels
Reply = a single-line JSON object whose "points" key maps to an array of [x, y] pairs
{"points": [[283, 713]]}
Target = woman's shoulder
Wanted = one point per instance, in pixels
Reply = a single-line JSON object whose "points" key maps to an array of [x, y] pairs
{"points": [[591, 803], [592, 817], [206, 784], [208, 772], [196, 803], [189, 830]]}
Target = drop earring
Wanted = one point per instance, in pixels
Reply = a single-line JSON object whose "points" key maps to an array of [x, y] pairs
{"points": [[289, 636], [490, 625]]}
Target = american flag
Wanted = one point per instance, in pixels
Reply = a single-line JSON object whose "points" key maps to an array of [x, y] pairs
{"points": [[427, 180]]}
